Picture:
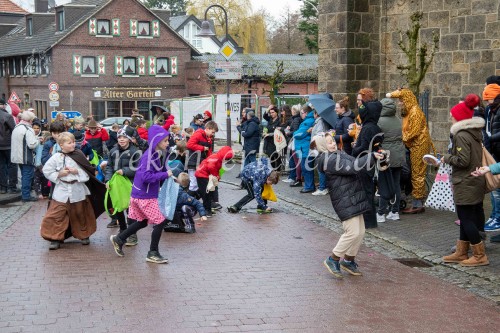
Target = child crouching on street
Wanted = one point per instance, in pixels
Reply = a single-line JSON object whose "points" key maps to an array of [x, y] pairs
{"points": [[348, 200], [185, 209], [123, 160], [70, 211], [253, 177], [144, 206]]}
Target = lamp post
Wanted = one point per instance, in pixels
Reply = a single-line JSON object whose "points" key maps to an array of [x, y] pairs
{"points": [[311, 4], [206, 31]]}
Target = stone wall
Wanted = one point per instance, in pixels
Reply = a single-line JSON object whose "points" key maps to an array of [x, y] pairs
{"points": [[358, 47]]}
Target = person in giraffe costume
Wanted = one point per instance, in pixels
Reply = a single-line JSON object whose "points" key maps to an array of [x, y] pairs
{"points": [[417, 139]]}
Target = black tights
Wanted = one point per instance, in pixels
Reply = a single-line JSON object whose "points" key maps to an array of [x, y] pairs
{"points": [[138, 225], [471, 219]]}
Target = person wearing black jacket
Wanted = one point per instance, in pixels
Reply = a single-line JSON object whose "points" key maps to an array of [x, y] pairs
{"points": [[368, 141], [250, 131], [273, 121], [8, 179], [295, 176], [345, 118]]}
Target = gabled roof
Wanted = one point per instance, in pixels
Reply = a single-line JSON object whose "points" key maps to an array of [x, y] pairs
{"points": [[7, 6], [178, 22], [17, 43], [297, 67]]}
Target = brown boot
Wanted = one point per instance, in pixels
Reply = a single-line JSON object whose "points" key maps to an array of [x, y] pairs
{"points": [[478, 258], [460, 253]]}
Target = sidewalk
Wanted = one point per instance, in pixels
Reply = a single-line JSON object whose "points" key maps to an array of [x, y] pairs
{"points": [[243, 272]]}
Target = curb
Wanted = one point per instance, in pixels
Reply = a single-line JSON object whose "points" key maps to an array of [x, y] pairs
{"points": [[9, 198]]}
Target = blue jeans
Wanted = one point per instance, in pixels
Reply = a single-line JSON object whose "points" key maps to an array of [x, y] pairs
{"points": [[27, 173], [307, 164], [322, 180], [249, 158], [495, 204]]}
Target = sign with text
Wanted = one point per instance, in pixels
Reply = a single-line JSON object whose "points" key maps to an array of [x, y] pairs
{"points": [[54, 103], [53, 96], [68, 114], [221, 115], [228, 70], [127, 93], [53, 86]]}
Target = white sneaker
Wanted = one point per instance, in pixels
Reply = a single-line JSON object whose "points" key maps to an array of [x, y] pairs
{"points": [[380, 218], [320, 192], [392, 216], [288, 180]]}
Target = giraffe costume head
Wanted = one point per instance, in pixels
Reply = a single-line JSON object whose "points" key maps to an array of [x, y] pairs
{"points": [[408, 99]]}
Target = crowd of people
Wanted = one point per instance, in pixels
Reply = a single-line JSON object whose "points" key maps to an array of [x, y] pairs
{"points": [[366, 152]]}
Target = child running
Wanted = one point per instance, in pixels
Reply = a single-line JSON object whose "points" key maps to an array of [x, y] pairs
{"points": [[348, 200], [144, 206]]}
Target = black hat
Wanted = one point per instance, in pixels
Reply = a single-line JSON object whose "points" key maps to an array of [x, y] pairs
{"points": [[129, 131], [199, 116], [78, 137]]}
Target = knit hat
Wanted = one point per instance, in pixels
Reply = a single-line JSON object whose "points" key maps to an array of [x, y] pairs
{"points": [[79, 137], [465, 110], [123, 132], [491, 91], [493, 79], [208, 114]]}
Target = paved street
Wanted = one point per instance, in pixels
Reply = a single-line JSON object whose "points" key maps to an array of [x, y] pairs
{"points": [[242, 272]]}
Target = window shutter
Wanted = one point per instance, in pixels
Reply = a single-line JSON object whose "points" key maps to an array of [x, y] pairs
{"points": [[133, 28], [77, 65], [173, 66], [156, 28], [118, 65], [152, 65], [116, 26], [101, 65], [93, 26], [141, 65]]}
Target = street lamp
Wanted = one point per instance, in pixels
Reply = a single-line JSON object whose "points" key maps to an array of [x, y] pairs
{"points": [[311, 4], [206, 31]]}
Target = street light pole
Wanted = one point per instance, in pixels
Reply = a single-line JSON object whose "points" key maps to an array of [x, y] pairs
{"points": [[311, 4], [206, 32]]}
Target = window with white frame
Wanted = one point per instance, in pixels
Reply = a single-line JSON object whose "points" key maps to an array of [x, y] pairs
{"points": [[89, 65], [162, 66], [144, 28], [190, 32], [129, 66], [103, 27]]}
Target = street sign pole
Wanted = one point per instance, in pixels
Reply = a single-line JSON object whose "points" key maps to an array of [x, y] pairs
{"points": [[228, 114]]}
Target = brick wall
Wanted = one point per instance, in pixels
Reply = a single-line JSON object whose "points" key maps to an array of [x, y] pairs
{"points": [[469, 50]]}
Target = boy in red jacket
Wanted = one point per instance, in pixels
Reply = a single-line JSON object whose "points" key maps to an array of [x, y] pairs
{"points": [[141, 129], [209, 168], [200, 146]]}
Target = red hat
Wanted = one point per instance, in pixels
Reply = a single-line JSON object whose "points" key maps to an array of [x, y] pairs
{"points": [[208, 114], [465, 110]]}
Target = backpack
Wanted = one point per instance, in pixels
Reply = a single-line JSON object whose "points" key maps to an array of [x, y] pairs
{"points": [[120, 189]]}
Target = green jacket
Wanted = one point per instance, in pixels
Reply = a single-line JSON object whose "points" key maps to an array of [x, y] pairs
{"points": [[465, 157], [393, 134]]}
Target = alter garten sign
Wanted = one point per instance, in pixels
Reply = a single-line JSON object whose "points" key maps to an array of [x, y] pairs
{"points": [[127, 93]]}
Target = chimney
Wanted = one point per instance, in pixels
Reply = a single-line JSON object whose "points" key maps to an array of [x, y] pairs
{"points": [[41, 6]]}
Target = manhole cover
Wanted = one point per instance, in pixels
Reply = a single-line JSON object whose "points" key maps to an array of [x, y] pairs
{"points": [[413, 262]]}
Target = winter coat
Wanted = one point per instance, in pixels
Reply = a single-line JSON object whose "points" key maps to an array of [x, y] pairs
{"points": [[196, 147], [113, 139], [294, 125], [393, 134], [370, 136], [152, 167], [213, 163], [38, 152], [257, 172], [7, 125], [465, 157], [250, 131], [125, 159], [24, 142], [346, 191], [143, 132], [269, 146], [195, 126], [303, 137], [169, 122], [50, 147], [96, 141], [318, 127], [184, 199], [494, 127], [342, 130]]}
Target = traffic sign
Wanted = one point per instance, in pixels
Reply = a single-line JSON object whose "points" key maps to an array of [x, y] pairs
{"points": [[54, 103], [53, 86], [228, 70], [68, 114], [53, 96], [227, 50], [14, 98]]}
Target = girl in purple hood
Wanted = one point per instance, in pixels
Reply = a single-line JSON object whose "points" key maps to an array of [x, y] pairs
{"points": [[144, 206]]}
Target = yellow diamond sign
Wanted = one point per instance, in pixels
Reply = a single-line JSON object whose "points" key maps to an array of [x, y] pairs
{"points": [[227, 50]]}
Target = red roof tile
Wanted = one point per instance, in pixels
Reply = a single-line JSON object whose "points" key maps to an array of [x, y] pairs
{"points": [[7, 6]]}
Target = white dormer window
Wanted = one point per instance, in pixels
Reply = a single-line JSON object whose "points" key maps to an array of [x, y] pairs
{"points": [[190, 32]]}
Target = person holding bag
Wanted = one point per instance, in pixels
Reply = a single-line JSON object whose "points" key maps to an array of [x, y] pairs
{"points": [[468, 191]]}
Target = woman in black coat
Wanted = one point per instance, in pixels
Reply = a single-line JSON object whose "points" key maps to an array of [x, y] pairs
{"points": [[273, 122], [346, 118]]}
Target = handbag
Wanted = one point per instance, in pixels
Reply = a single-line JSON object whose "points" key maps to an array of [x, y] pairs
{"points": [[213, 182], [119, 191], [492, 181], [268, 193], [441, 195], [167, 198]]}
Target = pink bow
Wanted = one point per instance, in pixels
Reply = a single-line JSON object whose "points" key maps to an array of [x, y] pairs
{"points": [[440, 177]]}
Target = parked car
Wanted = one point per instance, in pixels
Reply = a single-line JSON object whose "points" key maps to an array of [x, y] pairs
{"points": [[108, 122]]}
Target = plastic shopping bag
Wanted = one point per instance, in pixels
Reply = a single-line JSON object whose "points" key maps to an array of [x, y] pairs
{"points": [[167, 198], [120, 189]]}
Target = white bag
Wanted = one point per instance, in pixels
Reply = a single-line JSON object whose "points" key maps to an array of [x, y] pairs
{"points": [[279, 141], [212, 183], [441, 195]]}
